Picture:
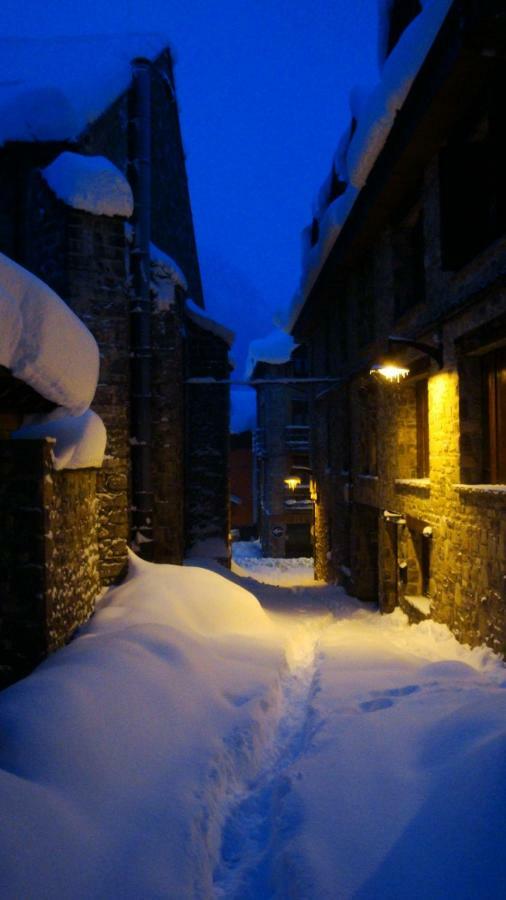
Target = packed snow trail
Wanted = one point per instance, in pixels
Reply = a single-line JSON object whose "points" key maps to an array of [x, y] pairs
{"points": [[251, 839], [383, 731]]}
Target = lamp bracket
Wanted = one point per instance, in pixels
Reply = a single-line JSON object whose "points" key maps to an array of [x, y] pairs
{"points": [[434, 351]]}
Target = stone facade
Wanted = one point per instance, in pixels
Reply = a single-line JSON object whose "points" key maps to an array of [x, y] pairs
{"points": [[410, 509], [49, 576], [207, 470], [281, 449], [87, 260], [242, 502]]}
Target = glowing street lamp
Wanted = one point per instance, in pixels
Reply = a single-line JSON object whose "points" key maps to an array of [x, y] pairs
{"points": [[392, 371], [292, 481]]}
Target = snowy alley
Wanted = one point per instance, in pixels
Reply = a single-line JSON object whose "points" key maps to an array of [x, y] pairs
{"points": [[194, 742]]}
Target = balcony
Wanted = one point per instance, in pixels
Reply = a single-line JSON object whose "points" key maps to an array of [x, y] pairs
{"points": [[297, 438], [300, 498]]}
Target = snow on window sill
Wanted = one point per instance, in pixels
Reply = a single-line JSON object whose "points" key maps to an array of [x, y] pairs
{"points": [[417, 484], [419, 602], [365, 477], [482, 490]]}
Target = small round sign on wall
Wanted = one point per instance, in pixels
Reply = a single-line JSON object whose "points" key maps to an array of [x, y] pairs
{"points": [[278, 531]]}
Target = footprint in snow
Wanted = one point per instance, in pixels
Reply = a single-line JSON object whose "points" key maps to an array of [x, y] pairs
{"points": [[383, 698], [373, 705]]}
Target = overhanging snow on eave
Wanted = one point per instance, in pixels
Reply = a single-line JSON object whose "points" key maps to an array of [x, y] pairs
{"points": [[434, 71]]}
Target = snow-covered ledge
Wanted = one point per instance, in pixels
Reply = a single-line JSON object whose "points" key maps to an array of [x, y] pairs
{"points": [[417, 484], [78, 442], [482, 490]]}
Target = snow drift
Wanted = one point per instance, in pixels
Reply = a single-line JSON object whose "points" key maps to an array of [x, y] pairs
{"points": [[187, 744]]}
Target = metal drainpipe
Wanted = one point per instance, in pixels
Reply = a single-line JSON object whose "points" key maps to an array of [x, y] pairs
{"points": [[139, 171]]}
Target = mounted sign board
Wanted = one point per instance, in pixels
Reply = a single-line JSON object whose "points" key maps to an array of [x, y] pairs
{"points": [[278, 531]]}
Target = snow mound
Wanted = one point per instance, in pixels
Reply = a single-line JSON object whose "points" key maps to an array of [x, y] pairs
{"points": [[196, 314], [80, 440], [128, 736], [43, 343], [276, 347], [52, 88], [91, 183]]}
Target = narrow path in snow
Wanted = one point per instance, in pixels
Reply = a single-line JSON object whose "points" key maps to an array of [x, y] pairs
{"points": [[253, 833]]}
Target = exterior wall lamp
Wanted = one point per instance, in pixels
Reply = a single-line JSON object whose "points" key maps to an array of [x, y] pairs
{"points": [[292, 482], [391, 370]]}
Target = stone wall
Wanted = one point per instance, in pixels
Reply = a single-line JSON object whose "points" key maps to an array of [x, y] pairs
{"points": [[450, 523], [48, 555], [207, 413], [171, 219], [83, 257], [168, 433]]}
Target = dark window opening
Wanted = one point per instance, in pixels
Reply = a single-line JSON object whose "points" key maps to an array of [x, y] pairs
{"points": [[364, 287], [422, 430], [473, 183], [315, 232], [408, 249], [337, 187], [402, 13], [494, 372], [300, 412], [300, 362]]}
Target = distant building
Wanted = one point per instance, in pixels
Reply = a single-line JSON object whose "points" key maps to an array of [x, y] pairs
{"points": [[410, 241], [281, 446], [94, 201], [242, 504]]}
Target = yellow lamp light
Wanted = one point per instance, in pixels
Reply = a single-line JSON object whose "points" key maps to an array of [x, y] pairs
{"points": [[292, 481], [390, 371]]}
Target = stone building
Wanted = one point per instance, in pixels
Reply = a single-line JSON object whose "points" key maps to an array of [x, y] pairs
{"points": [[409, 243], [278, 370], [242, 503], [94, 201]]}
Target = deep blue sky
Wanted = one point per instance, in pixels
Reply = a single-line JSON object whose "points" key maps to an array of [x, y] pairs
{"points": [[263, 90]]}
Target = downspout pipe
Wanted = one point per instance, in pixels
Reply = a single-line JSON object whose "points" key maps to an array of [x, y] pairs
{"points": [[139, 173]]}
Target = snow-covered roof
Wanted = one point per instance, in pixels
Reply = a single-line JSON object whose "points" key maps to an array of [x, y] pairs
{"points": [[91, 183], [43, 343], [52, 88], [197, 315], [276, 348], [79, 440], [357, 152]]}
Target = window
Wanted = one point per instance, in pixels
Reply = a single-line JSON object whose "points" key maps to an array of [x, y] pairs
{"points": [[300, 362], [300, 412], [413, 430], [408, 259], [473, 182], [494, 371], [365, 305]]}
